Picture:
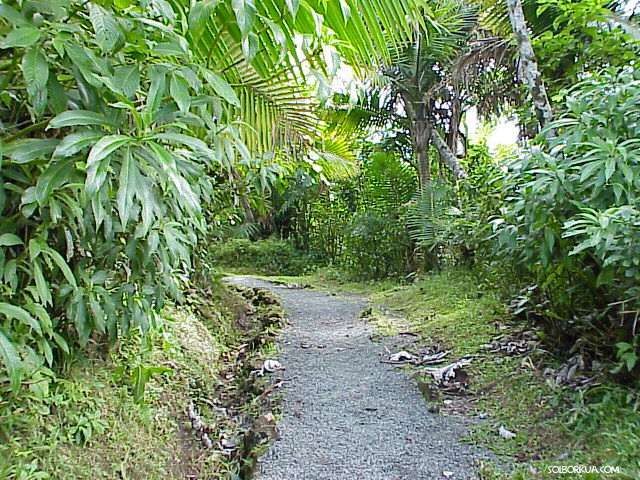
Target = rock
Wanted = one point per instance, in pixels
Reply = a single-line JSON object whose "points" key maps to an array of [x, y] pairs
{"points": [[402, 356], [206, 441], [271, 366], [506, 434]]}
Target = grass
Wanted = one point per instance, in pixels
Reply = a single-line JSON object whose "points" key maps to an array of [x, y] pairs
{"points": [[555, 426], [89, 424]]}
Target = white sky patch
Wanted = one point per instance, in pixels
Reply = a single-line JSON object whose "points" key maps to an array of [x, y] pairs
{"points": [[503, 132]]}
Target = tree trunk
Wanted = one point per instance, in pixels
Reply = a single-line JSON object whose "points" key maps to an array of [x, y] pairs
{"points": [[421, 135], [454, 124], [446, 155], [528, 64]]}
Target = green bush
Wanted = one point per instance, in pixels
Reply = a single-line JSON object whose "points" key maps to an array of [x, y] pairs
{"points": [[571, 216], [375, 241], [268, 257]]}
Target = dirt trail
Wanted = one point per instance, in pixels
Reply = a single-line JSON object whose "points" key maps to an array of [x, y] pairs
{"points": [[346, 415]]}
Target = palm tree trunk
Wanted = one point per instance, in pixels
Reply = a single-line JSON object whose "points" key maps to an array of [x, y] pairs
{"points": [[446, 155], [421, 142], [528, 64]]}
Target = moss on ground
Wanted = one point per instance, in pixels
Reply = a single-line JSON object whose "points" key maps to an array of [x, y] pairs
{"points": [[90, 424]]}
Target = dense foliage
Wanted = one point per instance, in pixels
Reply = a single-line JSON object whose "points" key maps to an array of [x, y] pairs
{"points": [[144, 144], [571, 214], [104, 174]]}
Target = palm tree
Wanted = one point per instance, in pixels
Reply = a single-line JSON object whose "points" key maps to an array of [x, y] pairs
{"points": [[411, 77]]}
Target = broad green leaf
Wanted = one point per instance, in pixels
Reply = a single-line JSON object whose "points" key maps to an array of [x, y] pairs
{"points": [[250, 44], [81, 321], [20, 37], [76, 142], [221, 87], [62, 343], [127, 187], [96, 168], [35, 69], [18, 313], [11, 361], [42, 286], [13, 16], [245, 11], [30, 149], [98, 315], [127, 79], [179, 89], [157, 89], [165, 9], [9, 240], [610, 167], [180, 139], [74, 118], [200, 12], [62, 265], [108, 34], [10, 274], [45, 349], [58, 98], [185, 194]]}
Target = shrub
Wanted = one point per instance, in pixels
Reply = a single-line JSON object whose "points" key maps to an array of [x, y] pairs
{"points": [[268, 257], [571, 217]]}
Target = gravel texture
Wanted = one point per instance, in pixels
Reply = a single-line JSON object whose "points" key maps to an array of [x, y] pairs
{"points": [[346, 415]]}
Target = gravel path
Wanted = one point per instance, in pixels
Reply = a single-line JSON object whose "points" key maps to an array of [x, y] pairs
{"points": [[346, 415]]}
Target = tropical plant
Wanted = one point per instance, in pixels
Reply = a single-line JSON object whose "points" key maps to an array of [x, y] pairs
{"points": [[131, 132], [570, 217]]}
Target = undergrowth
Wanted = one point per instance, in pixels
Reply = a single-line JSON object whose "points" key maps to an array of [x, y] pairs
{"points": [[267, 257], [100, 420]]}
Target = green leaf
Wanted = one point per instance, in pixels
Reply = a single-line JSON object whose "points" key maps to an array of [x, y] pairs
{"points": [[62, 343], [157, 89], [57, 174], [250, 45], [179, 89], [35, 69], [127, 187], [199, 14], [245, 11], [76, 142], [180, 139], [30, 149], [81, 320], [292, 6], [9, 240], [62, 265], [221, 87], [96, 168], [11, 361], [185, 194], [610, 167], [165, 9], [13, 16], [549, 239], [42, 287], [128, 80], [18, 313], [108, 34], [74, 118], [20, 37]]}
